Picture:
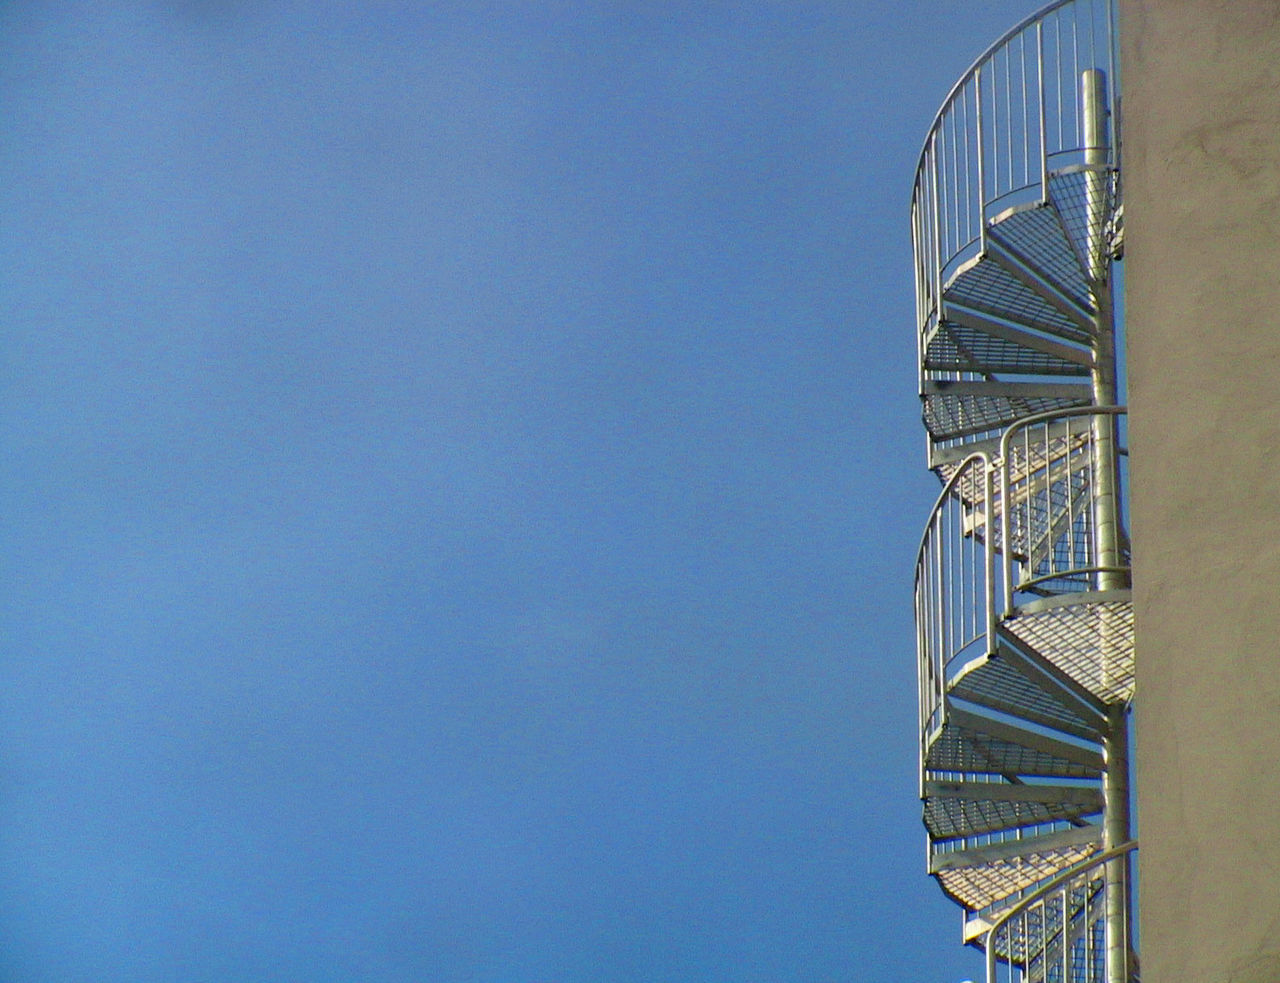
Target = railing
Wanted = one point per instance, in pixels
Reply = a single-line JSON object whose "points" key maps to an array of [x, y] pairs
{"points": [[1014, 119], [1059, 486], [1059, 934], [953, 588], [1048, 511]]}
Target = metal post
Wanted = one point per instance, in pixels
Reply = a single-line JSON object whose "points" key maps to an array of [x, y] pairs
{"points": [[1106, 502], [937, 229], [982, 169], [1115, 797], [1044, 140], [989, 552], [1093, 115]]}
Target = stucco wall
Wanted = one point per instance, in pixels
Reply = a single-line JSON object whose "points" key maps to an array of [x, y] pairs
{"points": [[1201, 117]]}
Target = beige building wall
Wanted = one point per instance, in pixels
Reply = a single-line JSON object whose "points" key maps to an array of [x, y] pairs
{"points": [[1202, 201]]}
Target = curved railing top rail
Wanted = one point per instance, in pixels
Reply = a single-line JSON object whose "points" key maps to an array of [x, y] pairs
{"points": [[985, 57], [1013, 119], [1052, 502], [1068, 875], [1050, 415], [1046, 889], [1100, 35], [953, 578], [947, 494]]}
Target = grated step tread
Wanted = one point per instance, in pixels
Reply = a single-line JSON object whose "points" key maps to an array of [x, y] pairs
{"points": [[956, 347], [990, 289], [1038, 236], [1092, 642], [949, 817], [968, 749], [994, 683], [985, 886], [951, 415]]}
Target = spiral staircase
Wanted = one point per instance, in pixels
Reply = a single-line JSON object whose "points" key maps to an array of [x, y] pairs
{"points": [[1023, 611]]}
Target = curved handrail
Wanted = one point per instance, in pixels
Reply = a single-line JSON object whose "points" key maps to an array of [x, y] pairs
{"points": [[1098, 35], [999, 43], [1010, 121], [953, 582], [1034, 418], [1092, 449], [1041, 893]]}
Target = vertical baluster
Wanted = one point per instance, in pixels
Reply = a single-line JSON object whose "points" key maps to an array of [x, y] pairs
{"points": [[971, 578], [937, 244], [982, 185], [971, 202], [947, 131], [922, 643], [1063, 925], [1044, 155], [922, 639], [1057, 40], [940, 601], [1027, 530], [1022, 116], [954, 559], [935, 619], [1087, 927], [988, 556], [1008, 116]]}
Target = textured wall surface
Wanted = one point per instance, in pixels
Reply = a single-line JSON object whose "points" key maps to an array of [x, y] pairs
{"points": [[1202, 184]]}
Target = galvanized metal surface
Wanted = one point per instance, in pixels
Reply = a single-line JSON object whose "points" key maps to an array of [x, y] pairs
{"points": [[1024, 621], [1063, 930]]}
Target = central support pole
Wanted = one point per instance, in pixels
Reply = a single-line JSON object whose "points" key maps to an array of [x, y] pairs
{"points": [[1115, 831], [1107, 537], [1106, 502]]}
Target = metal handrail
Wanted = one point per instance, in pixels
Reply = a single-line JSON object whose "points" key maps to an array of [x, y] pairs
{"points": [[984, 508], [1059, 495], [1011, 121], [953, 582], [1072, 574], [1115, 861]]}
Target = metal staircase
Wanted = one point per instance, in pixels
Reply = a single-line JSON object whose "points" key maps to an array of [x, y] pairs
{"points": [[1023, 611]]}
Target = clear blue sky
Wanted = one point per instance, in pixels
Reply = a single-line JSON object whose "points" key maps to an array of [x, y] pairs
{"points": [[462, 478]]}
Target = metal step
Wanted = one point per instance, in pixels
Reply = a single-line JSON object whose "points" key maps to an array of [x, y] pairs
{"points": [[969, 341], [972, 742], [963, 407], [1007, 293], [1035, 235], [972, 807], [1087, 637], [982, 879], [1009, 683]]}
